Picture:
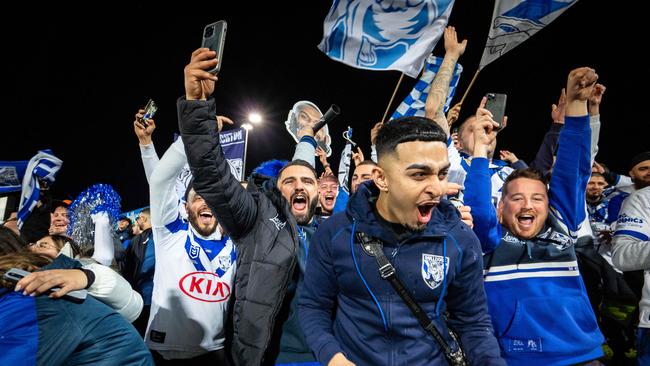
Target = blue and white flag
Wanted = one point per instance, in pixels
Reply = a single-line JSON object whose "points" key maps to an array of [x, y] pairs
{"points": [[413, 104], [11, 175], [43, 166], [344, 163], [514, 21], [233, 143], [384, 34]]}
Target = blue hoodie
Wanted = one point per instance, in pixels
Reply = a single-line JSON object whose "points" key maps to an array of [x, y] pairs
{"points": [[44, 331], [537, 300], [371, 324]]}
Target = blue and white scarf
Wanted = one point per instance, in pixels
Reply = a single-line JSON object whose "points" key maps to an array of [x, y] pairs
{"points": [[43, 166]]}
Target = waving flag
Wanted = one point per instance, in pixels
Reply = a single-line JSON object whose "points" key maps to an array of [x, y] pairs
{"points": [[344, 163], [413, 104], [233, 143], [514, 21], [383, 34], [42, 167]]}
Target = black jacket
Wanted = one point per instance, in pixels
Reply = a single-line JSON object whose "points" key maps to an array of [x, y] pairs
{"points": [[261, 225]]}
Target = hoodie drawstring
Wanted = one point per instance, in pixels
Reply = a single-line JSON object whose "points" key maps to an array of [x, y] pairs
{"points": [[444, 277], [356, 265]]}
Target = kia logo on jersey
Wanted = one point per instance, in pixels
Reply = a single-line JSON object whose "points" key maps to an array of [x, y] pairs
{"points": [[204, 286]]}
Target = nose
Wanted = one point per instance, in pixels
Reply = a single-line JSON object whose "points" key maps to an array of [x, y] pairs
{"points": [[434, 187], [528, 203]]}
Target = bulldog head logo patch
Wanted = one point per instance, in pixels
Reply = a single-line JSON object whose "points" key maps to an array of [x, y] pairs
{"points": [[432, 269]]}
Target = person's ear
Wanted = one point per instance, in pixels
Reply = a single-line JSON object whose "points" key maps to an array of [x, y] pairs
{"points": [[380, 179], [500, 210]]}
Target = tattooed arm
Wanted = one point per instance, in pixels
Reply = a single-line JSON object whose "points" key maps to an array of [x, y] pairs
{"points": [[440, 85]]}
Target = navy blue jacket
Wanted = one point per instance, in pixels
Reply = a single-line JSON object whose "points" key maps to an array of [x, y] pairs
{"points": [[44, 331], [371, 324]]}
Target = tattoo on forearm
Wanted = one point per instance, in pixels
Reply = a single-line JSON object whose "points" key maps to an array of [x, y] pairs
{"points": [[438, 93]]}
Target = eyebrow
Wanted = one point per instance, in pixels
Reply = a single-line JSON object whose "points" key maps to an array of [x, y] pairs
{"points": [[426, 167]]}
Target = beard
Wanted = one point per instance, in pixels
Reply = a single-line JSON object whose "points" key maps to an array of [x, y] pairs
{"points": [[416, 229], [304, 219], [202, 230]]}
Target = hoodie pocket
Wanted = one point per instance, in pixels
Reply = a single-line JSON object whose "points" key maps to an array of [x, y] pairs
{"points": [[559, 325]]}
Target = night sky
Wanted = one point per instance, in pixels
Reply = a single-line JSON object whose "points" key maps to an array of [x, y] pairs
{"points": [[75, 83]]}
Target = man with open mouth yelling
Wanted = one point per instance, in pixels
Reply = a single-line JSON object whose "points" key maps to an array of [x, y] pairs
{"points": [[534, 288], [348, 311], [328, 190]]}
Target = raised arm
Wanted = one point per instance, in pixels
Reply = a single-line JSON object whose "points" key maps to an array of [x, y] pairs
{"points": [[434, 105], [162, 185], [544, 158], [104, 249], [572, 166], [478, 183], [234, 207], [144, 131]]}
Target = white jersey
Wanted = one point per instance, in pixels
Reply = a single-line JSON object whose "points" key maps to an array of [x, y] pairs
{"points": [[194, 275], [632, 244]]}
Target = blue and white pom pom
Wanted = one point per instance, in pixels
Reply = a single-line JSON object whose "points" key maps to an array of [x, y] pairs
{"points": [[98, 198]]}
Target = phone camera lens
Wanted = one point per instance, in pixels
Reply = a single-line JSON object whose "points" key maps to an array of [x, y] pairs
{"points": [[209, 32]]}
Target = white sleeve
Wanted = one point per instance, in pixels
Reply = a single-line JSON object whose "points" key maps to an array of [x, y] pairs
{"points": [[162, 185], [456, 171], [104, 251], [373, 153], [113, 290], [632, 236], [623, 181], [149, 159], [594, 124], [305, 151]]}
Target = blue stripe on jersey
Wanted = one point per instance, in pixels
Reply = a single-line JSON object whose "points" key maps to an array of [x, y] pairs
{"points": [[177, 225], [632, 233]]}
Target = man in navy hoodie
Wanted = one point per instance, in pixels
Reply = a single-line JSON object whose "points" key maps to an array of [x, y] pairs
{"points": [[349, 314]]}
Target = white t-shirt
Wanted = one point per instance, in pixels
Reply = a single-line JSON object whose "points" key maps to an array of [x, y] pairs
{"points": [[633, 227], [191, 291]]}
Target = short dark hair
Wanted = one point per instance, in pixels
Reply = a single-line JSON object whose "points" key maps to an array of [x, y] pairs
{"points": [[407, 129], [529, 173], [367, 162], [298, 162], [597, 174]]}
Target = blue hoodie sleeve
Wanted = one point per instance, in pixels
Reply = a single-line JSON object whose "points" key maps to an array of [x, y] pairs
{"points": [[571, 172], [467, 305], [544, 158], [318, 298], [478, 196]]}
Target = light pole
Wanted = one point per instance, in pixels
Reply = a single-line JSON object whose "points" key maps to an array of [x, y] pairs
{"points": [[247, 127], [253, 118]]}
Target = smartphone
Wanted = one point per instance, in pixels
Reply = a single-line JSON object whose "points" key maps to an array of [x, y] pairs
{"points": [[149, 111], [496, 103], [16, 274], [214, 37]]}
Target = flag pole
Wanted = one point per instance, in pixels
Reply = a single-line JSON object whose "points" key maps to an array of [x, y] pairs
{"points": [[471, 83], [383, 119]]}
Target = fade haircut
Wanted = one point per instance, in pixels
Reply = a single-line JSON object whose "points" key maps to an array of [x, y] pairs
{"points": [[299, 163], [407, 129], [529, 173], [367, 162]]}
